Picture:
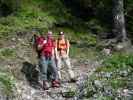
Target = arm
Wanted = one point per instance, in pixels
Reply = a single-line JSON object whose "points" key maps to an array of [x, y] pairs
{"points": [[39, 47], [41, 44], [68, 47], [56, 51]]}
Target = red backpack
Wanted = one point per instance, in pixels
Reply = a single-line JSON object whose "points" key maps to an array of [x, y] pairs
{"points": [[36, 40]]}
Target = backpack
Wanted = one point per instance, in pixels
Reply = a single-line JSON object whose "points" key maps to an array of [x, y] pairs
{"points": [[35, 40]]}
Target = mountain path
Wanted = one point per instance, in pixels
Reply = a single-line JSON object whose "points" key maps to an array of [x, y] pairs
{"points": [[24, 69]]}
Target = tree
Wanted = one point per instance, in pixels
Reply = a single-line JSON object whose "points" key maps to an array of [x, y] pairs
{"points": [[119, 20], [8, 7]]}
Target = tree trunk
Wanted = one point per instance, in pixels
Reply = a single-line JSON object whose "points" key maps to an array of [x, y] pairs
{"points": [[119, 20], [18, 4]]}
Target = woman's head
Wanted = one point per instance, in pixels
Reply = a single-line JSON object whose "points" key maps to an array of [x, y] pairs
{"points": [[61, 35]]}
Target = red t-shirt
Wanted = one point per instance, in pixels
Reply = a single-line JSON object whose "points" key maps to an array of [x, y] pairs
{"points": [[48, 46]]}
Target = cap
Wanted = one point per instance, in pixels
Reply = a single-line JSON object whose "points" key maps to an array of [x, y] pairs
{"points": [[61, 33]]}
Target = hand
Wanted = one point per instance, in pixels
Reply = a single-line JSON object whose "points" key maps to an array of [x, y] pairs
{"points": [[45, 41], [67, 55], [57, 57], [39, 47]]}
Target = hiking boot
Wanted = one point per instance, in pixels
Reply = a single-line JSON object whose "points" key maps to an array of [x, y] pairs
{"points": [[55, 83], [45, 85]]}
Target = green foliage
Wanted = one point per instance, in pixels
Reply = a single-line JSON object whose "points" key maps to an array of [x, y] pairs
{"points": [[82, 52], [12, 4], [96, 26], [128, 15], [104, 98], [28, 17], [74, 51], [117, 83], [115, 74], [119, 61], [45, 14], [7, 83], [69, 94], [90, 40], [7, 53]]}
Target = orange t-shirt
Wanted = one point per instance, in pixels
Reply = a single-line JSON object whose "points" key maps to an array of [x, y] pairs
{"points": [[62, 46]]}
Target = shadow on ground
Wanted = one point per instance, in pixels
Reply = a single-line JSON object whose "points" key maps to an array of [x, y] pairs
{"points": [[31, 74]]}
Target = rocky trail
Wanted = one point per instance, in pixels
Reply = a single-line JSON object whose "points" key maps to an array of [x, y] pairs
{"points": [[24, 68], [33, 92]]}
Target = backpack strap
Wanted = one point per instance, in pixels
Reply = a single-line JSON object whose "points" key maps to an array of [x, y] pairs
{"points": [[66, 41], [34, 44], [58, 43]]}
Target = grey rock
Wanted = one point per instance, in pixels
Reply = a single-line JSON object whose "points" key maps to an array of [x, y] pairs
{"points": [[2, 96], [98, 84], [123, 73], [108, 75], [108, 91]]}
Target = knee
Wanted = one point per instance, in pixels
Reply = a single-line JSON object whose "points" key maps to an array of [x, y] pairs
{"points": [[59, 69]]}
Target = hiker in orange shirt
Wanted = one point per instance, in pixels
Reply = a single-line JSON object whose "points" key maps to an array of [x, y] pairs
{"points": [[62, 55]]}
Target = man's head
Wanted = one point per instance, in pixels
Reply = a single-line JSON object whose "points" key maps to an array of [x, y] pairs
{"points": [[61, 35], [49, 34]]}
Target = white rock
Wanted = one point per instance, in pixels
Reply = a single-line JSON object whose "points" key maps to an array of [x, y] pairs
{"points": [[125, 90], [107, 51], [13, 39], [19, 39], [33, 92], [29, 97]]}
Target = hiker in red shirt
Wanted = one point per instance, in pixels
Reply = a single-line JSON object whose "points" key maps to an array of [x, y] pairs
{"points": [[47, 46]]}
